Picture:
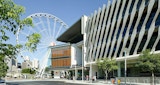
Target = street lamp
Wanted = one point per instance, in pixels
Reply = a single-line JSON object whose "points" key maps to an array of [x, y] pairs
{"points": [[75, 73], [91, 65], [125, 61], [83, 63]]}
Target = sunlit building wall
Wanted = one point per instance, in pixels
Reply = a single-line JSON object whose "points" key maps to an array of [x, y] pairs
{"points": [[123, 28]]}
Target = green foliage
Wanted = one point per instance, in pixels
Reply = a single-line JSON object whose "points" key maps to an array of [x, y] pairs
{"points": [[28, 71], [10, 22], [3, 67], [47, 69], [148, 62], [107, 64], [33, 40]]}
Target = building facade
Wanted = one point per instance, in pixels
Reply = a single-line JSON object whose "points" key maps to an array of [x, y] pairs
{"points": [[26, 64], [60, 60], [123, 24], [64, 60], [13, 67], [121, 30], [35, 63], [61, 57]]}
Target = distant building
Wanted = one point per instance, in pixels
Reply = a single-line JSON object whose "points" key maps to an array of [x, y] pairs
{"points": [[12, 63], [13, 67], [19, 65], [26, 64], [35, 63], [26, 58]]}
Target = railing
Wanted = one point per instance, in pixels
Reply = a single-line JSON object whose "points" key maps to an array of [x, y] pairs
{"points": [[131, 80]]}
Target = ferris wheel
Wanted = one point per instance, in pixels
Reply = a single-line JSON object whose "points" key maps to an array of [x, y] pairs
{"points": [[49, 27]]}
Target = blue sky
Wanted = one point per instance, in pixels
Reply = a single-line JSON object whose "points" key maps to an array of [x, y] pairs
{"points": [[67, 10]]}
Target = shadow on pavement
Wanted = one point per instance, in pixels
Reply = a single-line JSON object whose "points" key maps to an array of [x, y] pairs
{"points": [[12, 84]]}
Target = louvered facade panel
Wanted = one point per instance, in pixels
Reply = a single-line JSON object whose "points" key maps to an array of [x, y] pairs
{"points": [[132, 24], [61, 57]]}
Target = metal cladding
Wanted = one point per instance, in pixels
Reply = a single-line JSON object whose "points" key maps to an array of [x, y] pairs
{"points": [[131, 24]]}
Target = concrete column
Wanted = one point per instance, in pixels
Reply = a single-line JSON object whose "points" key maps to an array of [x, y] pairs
{"points": [[90, 72], [56, 74], [119, 69], [76, 73]]}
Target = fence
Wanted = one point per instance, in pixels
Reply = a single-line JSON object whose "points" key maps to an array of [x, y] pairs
{"points": [[135, 80]]}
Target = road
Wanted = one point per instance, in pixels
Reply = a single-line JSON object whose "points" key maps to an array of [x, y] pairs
{"points": [[40, 83]]}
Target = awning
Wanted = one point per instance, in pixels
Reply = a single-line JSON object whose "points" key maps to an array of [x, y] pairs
{"points": [[73, 34]]}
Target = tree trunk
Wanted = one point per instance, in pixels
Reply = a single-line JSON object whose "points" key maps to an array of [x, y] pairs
{"points": [[152, 78], [106, 72]]}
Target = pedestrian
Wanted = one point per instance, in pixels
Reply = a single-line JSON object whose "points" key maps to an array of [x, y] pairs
{"points": [[95, 78], [87, 77]]}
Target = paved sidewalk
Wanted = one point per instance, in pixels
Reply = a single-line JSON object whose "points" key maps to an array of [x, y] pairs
{"points": [[98, 82], [101, 82], [2, 83]]}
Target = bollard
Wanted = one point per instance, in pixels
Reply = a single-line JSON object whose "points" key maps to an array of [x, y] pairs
{"points": [[119, 81], [113, 81]]}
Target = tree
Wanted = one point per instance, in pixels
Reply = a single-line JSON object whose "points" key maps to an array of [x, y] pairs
{"points": [[33, 40], [107, 65], [3, 67], [149, 63], [29, 71], [10, 22], [47, 68]]}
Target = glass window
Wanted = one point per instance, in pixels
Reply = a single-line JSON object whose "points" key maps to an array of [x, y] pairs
{"points": [[146, 2], [133, 46], [114, 31], [141, 21], [133, 24], [158, 46], [113, 12], [119, 50], [142, 44], [108, 51], [157, 21], [119, 10], [150, 20], [124, 31], [119, 29], [139, 4], [118, 33], [124, 10], [126, 26], [131, 7], [152, 40]]}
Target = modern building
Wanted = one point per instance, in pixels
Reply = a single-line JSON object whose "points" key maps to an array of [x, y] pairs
{"points": [[26, 64], [19, 65], [60, 60], [11, 63], [13, 70], [35, 63], [121, 30], [66, 62]]}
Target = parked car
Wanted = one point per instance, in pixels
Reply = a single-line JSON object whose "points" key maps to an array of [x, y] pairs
{"points": [[2, 81]]}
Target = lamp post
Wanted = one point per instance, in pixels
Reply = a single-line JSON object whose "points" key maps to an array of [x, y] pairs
{"points": [[125, 67], [83, 63], [75, 72], [125, 63], [91, 65]]}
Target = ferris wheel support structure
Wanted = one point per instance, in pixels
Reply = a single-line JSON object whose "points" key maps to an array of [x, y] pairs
{"points": [[49, 27]]}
